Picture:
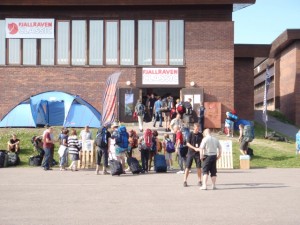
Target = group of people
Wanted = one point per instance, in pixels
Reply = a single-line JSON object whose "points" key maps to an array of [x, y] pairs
{"points": [[158, 109]]}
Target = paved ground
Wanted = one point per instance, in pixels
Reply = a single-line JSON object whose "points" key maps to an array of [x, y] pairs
{"points": [[274, 124], [31, 196]]}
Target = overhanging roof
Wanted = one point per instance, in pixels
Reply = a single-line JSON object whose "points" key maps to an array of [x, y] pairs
{"points": [[121, 2], [283, 40], [251, 50]]}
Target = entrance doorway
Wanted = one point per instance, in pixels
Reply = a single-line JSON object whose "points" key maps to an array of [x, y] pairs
{"points": [[162, 92]]}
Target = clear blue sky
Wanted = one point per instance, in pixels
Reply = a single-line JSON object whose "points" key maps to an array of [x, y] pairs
{"points": [[264, 21]]}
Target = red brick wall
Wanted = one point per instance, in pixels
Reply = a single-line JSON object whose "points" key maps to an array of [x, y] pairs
{"points": [[19, 83], [209, 60], [244, 88]]}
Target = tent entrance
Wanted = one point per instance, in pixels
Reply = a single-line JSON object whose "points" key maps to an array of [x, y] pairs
{"points": [[51, 112]]}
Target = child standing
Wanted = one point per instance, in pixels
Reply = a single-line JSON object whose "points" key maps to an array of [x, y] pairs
{"points": [[169, 148]]}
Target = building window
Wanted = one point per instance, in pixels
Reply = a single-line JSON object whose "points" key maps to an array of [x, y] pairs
{"points": [[14, 50], [63, 43], [96, 42], [176, 42], [111, 47], [160, 40], [79, 42], [29, 51], [145, 42], [2, 42], [127, 42], [47, 51]]}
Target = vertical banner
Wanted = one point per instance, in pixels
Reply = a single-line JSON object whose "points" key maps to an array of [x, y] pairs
{"points": [[109, 99], [226, 160]]}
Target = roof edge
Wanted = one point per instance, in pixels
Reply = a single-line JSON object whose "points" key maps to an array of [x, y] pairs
{"points": [[251, 50]]}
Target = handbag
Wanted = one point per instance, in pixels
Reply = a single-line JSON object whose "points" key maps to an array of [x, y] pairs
{"points": [[135, 116], [61, 150]]}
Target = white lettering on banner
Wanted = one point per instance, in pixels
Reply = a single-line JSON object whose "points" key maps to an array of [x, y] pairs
{"points": [[164, 76], [29, 28]]}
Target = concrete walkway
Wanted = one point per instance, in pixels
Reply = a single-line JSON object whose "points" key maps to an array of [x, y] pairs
{"points": [[31, 196], [274, 124]]}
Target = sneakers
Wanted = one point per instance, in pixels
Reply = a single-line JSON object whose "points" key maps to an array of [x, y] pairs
{"points": [[203, 188], [200, 183], [180, 172], [127, 170], [185, 184]]}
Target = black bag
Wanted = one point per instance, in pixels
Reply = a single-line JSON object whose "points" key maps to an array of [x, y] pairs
{"points": [[160, 164], [101, 138], [115, 167], [35, 160], [147, 117], [134, 165], [250, 152], [183, 150], [13, 159], [3, 158]]}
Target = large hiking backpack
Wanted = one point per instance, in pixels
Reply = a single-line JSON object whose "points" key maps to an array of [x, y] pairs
{"points": [[248, 133], [101, 138], [188, 108], [173, 113], [3, 158], [170, 148], [13, 159], [148, 138], [140, 109], [122, 137], [133, 139], [181, 108]]}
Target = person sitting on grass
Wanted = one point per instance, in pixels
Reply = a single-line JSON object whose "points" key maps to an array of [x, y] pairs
{"points": [[13, 145]]}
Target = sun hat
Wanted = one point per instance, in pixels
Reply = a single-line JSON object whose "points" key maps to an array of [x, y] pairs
{"points": [[115, 124]]}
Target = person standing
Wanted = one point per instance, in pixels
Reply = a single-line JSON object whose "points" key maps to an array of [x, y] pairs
{"points": [[74, 148], [298, 143], [193, 144], [157, 110], [86, 134], [210, 151], [63, 161], [140, 110], [201, 116], [47, 146], [178, 144], [102, 148], [150, 105], [243, 143], [176, 122], [167, 113]]}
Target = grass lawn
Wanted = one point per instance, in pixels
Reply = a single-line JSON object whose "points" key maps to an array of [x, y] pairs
{"points": [[266, 153]]}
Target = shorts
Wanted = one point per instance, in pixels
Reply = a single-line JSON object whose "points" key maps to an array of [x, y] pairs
{"points": [[99, 154], [189, 159], [244, 145], [168, 156], [74, 157], [210, 165]]}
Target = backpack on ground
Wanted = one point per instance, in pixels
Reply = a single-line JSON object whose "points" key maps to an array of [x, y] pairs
{"points": [[3, 158], [170, 148], [133, 139], [248, 133], [148, 138], [13, 159], [115, 167], [250, 152], [160, 164], [35, 160], [134, 165], [101, 138], [122, 137], [140, 109], [181, 108], [188, 108]]}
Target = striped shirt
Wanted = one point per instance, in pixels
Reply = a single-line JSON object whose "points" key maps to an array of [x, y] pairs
{"points": [[73, 145]]}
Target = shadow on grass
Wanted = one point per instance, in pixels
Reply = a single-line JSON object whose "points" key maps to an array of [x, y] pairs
{"points": [[275, 158]]}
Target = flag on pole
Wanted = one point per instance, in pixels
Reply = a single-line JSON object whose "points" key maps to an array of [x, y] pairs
{"points": [[267, 84], [110, 98]]}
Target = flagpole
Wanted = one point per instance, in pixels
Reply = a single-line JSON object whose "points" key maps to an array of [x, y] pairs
{"points": [[265, 109]]}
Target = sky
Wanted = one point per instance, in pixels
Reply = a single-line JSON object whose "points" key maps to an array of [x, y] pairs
{"points": [[264, 21]]}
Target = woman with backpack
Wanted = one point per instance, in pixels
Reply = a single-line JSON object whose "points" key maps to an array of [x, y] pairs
{"points": [[169, 148], [145, 144], [153, 150]]}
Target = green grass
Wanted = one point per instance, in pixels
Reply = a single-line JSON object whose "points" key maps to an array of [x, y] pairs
{"points": [[267, 154], [279, 116]]}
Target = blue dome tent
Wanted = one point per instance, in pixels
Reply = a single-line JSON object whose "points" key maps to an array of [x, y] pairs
{"points": [[54, 108]]}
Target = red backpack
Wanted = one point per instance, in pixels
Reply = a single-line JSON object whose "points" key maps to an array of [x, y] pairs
{"points": [[148, 138]]}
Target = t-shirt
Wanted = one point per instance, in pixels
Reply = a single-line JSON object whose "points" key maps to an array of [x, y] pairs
{"points": [[157, 105], [210, 145], [179, 136], [195, 140], [45, 144], [85, 135], [12, 141]]}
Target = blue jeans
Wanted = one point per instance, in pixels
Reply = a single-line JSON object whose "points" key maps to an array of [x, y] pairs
{"points": [[46, 159], [64, 159], [158, 115], [181, 161]]}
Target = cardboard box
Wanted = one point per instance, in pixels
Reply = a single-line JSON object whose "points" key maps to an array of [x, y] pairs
{"points": [[244, 162]]}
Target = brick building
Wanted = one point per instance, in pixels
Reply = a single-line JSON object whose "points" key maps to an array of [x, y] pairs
{"points": [[93, 39], [283, 60]]}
